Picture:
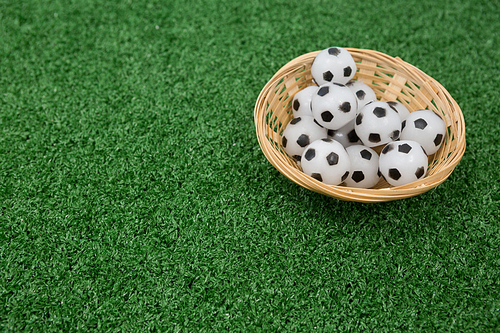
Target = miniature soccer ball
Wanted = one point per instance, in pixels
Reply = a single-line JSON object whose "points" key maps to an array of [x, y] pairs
{"points": [[403, 162], [301, 103], [299, 133], [377, 123], [346, 135], [364, 167], [334, 64], [364, 94], [326, 160], [333, 105], [400, 109], [425, 127]]}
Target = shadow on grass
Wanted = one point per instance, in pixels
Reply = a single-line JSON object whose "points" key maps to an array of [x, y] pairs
{"points": [[445, 203]]}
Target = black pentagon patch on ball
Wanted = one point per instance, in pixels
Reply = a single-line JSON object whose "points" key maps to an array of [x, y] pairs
{"points": [[303, 140], [326, 140], [352, 136], [295, 120], [374, 137], [332, 158], [359, 119], [330, 132], [420, 172], [310, 153], [350, 83], [387, 149], [403, 124], [323, 91], [347, 71], [345, 107], [420, 123], [358, 176], [395, 135], [404, 148], [327, 116], [317, 176], [438, 139], [365, 154], [327, 76], [298, 158], [360, 94], [379, 112], [284, 141], [296, 104], [394, 174], [333, 51], [346, 174]]}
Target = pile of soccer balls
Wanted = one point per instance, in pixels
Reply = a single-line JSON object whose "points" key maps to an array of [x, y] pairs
{"points": [[338, 122]]}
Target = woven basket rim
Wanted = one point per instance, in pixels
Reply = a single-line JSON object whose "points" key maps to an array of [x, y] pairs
{"points": [[371, 60]]}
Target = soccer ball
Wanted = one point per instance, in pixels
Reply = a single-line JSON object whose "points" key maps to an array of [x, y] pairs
{"points": [[334, 64], [403, 162], [333, 105], [299, 133], [364, 94], [364, 167], [425, 127], [301, 103], [326, 160], [346, 135], [377, 123]]}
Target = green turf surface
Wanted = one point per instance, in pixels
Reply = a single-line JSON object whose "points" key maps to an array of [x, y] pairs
{"points": [[134, 195]]}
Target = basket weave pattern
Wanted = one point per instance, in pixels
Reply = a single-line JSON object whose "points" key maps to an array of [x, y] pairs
{"points": [[391, 79]]}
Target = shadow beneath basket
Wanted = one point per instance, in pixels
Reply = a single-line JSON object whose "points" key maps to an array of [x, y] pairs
{"points": [[423, 210]]}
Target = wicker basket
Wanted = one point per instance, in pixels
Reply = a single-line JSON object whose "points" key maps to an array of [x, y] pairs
{"points": [[391, 79]]}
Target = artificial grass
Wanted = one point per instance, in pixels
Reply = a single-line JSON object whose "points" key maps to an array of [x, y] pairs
{"points": [[134, 196]]}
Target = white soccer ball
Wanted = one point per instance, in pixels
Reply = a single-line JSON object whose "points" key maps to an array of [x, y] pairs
{"points": [[346, 135], [334, 64], [299, 133], [403, 162], [333, 105], [364, 94], [377, 124], [301, 103], [326, 160], [364, 167], [425, 127]]}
